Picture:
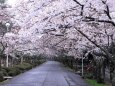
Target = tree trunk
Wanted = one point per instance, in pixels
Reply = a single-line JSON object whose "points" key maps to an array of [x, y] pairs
{"points": [[0, 62], [99, 79], [21, 60], [103, 70], [100, 71], [113, 77], [95, 70], [112, 70]]}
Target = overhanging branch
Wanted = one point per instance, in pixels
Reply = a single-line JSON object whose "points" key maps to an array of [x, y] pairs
{"points": [[82, 6], [105, 51], [89, 19]]}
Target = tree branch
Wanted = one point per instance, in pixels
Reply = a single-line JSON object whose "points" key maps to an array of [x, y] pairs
{"points": [[78, 2], [104, 50], [89, 19], [107, 11], [2, 51], [82, 6], [59, 42]]}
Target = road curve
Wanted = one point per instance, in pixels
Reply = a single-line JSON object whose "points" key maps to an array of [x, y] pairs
{"points": [[51, 73]]}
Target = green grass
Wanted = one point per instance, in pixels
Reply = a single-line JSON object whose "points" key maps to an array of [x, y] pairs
{"points": [[94, 83]]}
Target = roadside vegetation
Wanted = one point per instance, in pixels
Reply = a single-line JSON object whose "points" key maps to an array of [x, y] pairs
{"points": [[94, 83], [18, 69]]}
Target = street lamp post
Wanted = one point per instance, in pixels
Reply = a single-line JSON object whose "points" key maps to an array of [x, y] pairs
{"points": [[82, 67], [7, 58], [83, 57]]}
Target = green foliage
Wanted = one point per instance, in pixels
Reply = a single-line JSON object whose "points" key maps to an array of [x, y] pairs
{"points": [[4, 72], [38, 62], [7, 69], [17, 69], [88, 75], [94, 83], [24, 66], [1, 76], [14, 71], [10, 71]]}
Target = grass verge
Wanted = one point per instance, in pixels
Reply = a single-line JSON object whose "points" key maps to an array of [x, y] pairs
{"points": [[94, 83]]}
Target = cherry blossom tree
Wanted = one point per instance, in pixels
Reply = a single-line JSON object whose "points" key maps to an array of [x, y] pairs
{"points": [[68, 25]]}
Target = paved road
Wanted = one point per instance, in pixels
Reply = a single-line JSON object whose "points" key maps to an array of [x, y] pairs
{"points": [[50, 73]]}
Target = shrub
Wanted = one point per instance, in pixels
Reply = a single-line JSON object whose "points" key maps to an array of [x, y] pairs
{"points": [[17, 69], [7, 69], [92, 82], [24, 66], [1, 76], [89, 75], [14, 71], [38, 62], [11, 71], [5, 73]]}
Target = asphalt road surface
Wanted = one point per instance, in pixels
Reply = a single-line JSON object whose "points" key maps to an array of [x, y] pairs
{"points": [[51, 73]]}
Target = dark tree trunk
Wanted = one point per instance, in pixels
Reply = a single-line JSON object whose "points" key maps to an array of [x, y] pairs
{"points": [[100, 71], [94, 69], [112, 72], [99, 78], [0, 62], [113, 77], [103, 70]]}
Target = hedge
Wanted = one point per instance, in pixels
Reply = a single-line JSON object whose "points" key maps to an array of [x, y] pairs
{"points": [[1, 76], [17, 69]]}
